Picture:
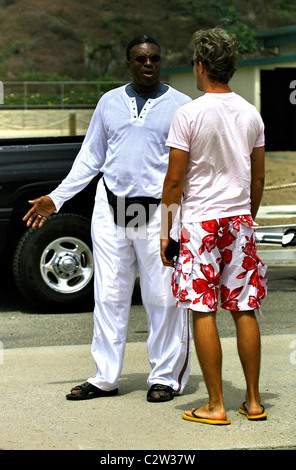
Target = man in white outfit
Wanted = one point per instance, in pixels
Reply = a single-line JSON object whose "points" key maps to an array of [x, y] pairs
{"points": [[126, 142]]}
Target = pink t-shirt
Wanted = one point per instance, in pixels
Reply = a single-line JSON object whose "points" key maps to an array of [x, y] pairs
{"points": [[219, 130]]}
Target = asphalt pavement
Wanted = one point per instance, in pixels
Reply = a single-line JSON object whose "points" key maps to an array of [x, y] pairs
{"points": [[35, 414]]}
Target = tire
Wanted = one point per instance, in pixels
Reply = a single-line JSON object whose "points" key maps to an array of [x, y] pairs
{"points": [[53, 265]]}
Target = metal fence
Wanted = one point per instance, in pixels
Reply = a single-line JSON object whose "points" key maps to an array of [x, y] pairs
{"points": [[55, 94]]}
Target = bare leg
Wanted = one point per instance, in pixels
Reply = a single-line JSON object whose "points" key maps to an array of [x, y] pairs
{"points": [[209, 353], [249, 350]]}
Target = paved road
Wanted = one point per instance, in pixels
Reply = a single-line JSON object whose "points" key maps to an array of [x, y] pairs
{"points": [[37, 403], [20, 326]]}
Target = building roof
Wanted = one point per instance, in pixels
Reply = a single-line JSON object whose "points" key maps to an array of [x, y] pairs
{"points": [[277, 36], [266, 40]]}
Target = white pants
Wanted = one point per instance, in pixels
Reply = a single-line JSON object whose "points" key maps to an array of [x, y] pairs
{"points": [[117, 259]]}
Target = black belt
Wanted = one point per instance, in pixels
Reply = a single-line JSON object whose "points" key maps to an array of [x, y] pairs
{"points": [[143, 208]]}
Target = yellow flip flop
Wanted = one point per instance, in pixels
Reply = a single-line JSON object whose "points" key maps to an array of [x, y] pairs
{"points": [[199, 419], [259, 417]]}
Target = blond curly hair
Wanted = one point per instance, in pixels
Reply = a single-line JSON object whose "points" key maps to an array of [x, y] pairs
{"points": [[217, 50]]}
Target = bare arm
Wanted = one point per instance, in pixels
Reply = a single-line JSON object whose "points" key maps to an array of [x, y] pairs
{"points": [[171, 196], [257, 178]]}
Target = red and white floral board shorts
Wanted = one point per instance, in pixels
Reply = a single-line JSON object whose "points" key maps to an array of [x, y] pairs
{"points": [[219, 255]]}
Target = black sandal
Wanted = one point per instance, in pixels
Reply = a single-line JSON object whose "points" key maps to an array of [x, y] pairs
{"points": [[160, 393], [88, 391]]}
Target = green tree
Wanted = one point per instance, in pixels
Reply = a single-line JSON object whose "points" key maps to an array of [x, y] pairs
{"points": [[229, 18]]}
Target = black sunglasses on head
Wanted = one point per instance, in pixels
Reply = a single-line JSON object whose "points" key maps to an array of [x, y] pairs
{"points": [[142, 58]]}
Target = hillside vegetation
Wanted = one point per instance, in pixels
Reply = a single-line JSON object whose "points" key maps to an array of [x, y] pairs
{"points": [[86, 39]]}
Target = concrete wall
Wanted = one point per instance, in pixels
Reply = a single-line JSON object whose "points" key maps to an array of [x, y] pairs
{"points": [[246, 82], [43, 122]]}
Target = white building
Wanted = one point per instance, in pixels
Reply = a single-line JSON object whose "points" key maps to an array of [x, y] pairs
{"points": [[268, 81]]}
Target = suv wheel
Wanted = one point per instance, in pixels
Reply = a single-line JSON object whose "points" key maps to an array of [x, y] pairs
{"points": [[53, 265]]}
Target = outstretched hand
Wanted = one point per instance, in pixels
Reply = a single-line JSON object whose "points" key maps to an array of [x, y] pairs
{"points": [[42, 208]]}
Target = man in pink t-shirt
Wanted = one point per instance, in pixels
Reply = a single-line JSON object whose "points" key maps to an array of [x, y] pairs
{"points": [[216, 173]]}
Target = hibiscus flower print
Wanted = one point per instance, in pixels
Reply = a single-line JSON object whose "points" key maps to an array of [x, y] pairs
{"points": [[179, 293], [207, 288], [250, 261], [185, 235], [252, 264], [175, 286], [185, 254], [253, 302], [182, 294], [244, 219], [219, 235], [229, 298]]}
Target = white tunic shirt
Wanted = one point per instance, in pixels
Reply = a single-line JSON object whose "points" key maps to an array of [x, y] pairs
{"points": [[219, 130], [128, 148]]}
